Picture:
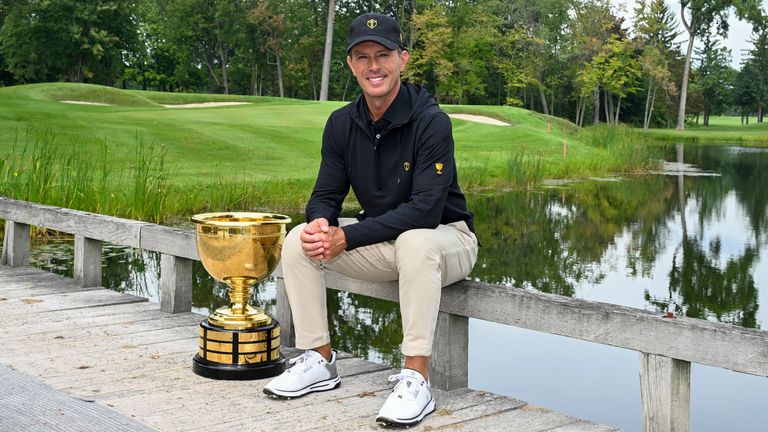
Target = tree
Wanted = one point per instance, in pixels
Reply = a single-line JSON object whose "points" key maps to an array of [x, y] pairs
{"points": [[698, 17], [517, 63], [593, 25], [615, 70], [746, 90], [67, 39], [265, 16], [327, 52], [759, 63], [429, 55], [655, 24], [471, 49], [533, 31], [205, 31], [6, 78], [716, 78], [152, 62]]}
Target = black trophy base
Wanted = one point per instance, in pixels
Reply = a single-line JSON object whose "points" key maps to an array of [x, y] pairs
{"points": [[239, 354], [240, 372]]}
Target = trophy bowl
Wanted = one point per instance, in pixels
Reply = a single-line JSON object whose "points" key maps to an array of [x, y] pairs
{"points": [[239, 341]]}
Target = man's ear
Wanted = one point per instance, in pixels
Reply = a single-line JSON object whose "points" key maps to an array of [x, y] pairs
{"points": [[349, 63], [404, 56]]}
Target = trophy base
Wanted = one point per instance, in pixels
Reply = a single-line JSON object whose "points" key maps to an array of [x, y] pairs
{"points": [[242, 372], [239, 354]]}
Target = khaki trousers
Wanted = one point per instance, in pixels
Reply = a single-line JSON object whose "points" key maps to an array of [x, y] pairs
{"points": [[422, 260]]}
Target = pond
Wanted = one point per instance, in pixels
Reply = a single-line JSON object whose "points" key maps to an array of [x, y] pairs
{"points": [[688, 240]]}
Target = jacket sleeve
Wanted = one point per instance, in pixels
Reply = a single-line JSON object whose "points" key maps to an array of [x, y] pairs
{"points": [[434, 170], [332, 184]]}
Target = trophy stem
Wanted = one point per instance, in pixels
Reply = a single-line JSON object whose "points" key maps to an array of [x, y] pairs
{"points": [[239, 314], [239, 294]]}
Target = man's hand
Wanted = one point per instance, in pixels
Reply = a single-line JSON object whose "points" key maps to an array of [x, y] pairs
{"points": [[321, 241]]}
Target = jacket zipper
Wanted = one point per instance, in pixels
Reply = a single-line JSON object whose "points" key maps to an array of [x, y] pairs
{"points": [[377, 160]]}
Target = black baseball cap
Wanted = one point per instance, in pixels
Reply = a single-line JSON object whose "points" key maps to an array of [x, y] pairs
{"points": [[378, 28]]}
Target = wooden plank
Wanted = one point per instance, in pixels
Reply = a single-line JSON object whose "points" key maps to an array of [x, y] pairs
{"points": [[59, 319], [452, 408], [97, 336], [114, 230], [53, 410], [16, 244], [39, 288], [528, 418], [84, 350], [665, 393], [171, 241], [87, 267], [247, 404], [15, 307], [175, 284], [449, 363]]}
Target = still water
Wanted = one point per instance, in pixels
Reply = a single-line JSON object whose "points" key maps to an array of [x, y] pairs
{"points": [[687, 240]]}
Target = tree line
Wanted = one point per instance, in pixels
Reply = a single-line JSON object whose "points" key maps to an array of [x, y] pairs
{"points": [[576, 59]]}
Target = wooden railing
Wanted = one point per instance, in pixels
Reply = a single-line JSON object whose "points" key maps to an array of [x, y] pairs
{"points": [[667, 347]]}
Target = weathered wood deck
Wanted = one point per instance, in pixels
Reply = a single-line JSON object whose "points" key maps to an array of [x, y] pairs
{"points": [[124, 353]]}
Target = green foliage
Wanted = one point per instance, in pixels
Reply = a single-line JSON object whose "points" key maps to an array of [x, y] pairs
{"points": [[715, 78], [430, 56], [66, 39]]}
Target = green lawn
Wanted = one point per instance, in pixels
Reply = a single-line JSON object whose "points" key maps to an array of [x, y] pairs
{"points": [[721, 129], [263, 154]]}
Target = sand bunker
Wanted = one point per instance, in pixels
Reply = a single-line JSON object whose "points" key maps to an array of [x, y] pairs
{"points": [[84, 103], [479, 119], [206, 104]]}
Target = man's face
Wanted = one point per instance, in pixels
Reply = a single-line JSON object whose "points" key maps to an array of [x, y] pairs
{"points": [[377, 68]]}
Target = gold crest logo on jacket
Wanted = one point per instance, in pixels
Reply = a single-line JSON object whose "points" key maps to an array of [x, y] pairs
{"points": [[439, 167]]}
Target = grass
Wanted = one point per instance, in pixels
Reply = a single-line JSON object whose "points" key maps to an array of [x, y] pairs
{"points": [[721, 129], [158, 162]]}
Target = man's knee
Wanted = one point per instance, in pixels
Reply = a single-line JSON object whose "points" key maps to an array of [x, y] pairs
{"points": [[416, 248]]}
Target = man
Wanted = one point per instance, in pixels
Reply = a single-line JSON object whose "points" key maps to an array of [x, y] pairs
{"points": [[394, 147]]}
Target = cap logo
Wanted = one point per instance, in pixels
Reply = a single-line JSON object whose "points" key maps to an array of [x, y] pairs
{"points": [[372, 23]]}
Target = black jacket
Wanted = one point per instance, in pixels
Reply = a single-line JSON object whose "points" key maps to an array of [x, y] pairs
{"points": [[403, 175]]}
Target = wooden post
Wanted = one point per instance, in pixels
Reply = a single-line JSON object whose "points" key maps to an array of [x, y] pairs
{"points": [[175, 284], [87, 272], [284, 316], [449, 362], [16, 244], [665, 392]]}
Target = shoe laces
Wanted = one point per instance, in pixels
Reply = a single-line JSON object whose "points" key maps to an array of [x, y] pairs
{"points": [[407, 387], [304, 362]]}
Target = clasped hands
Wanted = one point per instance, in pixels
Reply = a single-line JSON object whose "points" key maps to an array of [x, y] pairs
{"points": [[320, 241]]}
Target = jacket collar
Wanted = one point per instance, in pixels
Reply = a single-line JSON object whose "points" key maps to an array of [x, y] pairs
{"points": [[398, 113]]}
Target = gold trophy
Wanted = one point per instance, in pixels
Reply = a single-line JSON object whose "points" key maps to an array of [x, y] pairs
{"points": [[239, 341]]}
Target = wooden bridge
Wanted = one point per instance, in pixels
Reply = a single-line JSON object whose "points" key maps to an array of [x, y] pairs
{"points": [[79, 357]]}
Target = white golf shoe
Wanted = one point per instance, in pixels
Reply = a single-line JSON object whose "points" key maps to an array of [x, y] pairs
{"points": [[409, 402], [310, 373]]}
